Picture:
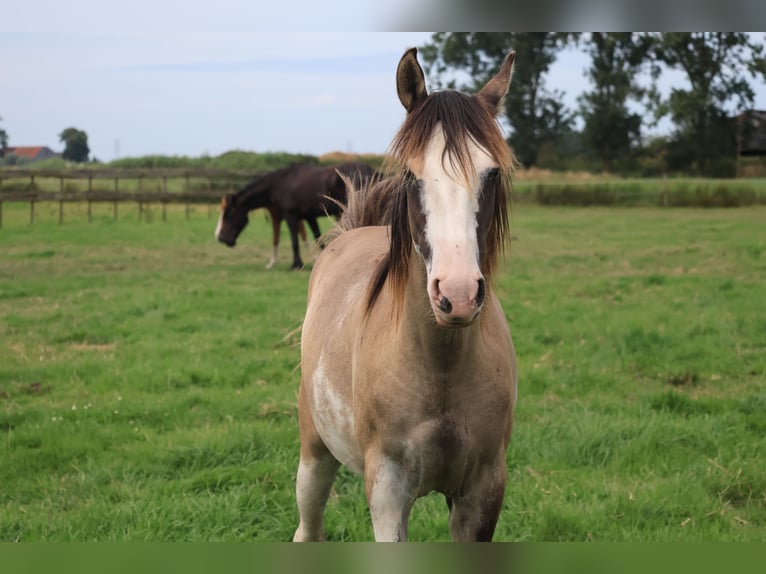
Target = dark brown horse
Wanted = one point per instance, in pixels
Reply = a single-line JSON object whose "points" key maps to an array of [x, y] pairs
{"points": [[298, 192], [408, 371]]}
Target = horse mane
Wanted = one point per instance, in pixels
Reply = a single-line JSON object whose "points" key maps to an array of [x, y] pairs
{"points": [[368, 203], [242, 197]]}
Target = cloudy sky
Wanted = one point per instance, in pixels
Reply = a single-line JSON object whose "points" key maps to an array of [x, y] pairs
{"points": [[186, 79]]}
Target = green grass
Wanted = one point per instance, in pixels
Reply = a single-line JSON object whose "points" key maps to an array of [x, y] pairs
{"points": [[148, 380]]}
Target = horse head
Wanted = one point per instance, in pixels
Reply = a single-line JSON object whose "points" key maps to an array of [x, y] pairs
{"points": [[453, 208], [232, 221]]}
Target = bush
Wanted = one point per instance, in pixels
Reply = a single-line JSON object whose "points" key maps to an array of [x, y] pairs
{"points": [[12, 159], [708, 194], [673, 193]]}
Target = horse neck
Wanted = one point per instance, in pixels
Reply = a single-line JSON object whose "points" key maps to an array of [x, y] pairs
{"points": [[438, 347], [255, 196]]}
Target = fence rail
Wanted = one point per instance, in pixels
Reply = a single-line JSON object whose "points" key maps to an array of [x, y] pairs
{"points": [[115, 198], [155, 186], [127, 173]]}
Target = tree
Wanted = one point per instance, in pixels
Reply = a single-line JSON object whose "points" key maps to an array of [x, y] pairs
{"points": [[3, 140], [535, 115], [718, 66], [75, 145], [610, 130]]}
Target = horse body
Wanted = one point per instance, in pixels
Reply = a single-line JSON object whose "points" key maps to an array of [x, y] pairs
{"points": [[416, 408], [408, 372], [294, 193]]}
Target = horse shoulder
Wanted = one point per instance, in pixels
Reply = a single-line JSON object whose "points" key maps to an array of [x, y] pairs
{"points": [[337, 290]]}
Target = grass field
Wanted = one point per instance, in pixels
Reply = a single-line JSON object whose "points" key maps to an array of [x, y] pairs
{"points": [[148, 380]]}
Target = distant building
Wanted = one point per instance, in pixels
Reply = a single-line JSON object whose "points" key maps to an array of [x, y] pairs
{"points": [[32, 153], [751, 132]]}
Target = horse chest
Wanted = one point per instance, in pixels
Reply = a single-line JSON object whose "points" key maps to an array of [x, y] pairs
{"points": [[430, 421]]}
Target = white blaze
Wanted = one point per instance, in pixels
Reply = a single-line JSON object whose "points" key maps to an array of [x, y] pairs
{"points": [[451, 206], [218, 226]]}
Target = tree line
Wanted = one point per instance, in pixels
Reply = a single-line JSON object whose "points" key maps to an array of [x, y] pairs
{"points": [[623, 102], [75, 142]]}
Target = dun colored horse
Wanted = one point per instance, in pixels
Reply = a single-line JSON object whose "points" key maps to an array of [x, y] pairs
{"points": [[408, 372], [294, 193]]}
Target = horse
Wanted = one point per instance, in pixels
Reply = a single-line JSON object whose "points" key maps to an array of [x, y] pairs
{"points": [[408, 370], [294, 193]]}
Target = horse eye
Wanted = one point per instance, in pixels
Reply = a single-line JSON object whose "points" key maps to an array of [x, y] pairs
{"points": [[493, 174]]}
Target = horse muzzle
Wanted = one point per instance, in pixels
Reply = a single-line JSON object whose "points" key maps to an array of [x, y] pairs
{"points": [[457, 304], [227, 241]]}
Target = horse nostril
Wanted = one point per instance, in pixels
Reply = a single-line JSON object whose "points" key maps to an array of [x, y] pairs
{"points": [[445, 305], [481, 293]]}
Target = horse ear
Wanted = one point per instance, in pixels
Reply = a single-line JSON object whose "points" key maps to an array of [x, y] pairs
{"points": [[410, 81], [494, 92]]}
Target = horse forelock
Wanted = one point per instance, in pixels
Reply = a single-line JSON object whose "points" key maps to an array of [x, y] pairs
{"points": [[463, 118]]}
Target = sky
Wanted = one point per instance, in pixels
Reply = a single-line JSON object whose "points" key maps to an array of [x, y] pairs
{"points": [[146, 78]]}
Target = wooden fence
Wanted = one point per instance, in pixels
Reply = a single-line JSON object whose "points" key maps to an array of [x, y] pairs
{"points": [[143, 187]]}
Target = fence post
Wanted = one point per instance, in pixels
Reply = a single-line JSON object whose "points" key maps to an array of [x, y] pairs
{"points": [[209, 187]]}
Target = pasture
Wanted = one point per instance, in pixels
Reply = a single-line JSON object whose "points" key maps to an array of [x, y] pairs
{"points": [[148, 380]]}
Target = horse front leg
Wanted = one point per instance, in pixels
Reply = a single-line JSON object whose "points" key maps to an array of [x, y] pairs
{"points": [[276, 222], [390, 493], [292, 225], [312, 489], [474, 514]]}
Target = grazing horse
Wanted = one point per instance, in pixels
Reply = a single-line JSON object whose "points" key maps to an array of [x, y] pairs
{"points": [[408, 372], [294, 193]]}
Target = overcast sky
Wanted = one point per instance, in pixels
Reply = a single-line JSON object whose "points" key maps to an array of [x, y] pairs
{"points": [[186, 79]]}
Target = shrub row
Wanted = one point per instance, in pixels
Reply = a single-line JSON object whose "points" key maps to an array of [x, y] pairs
{"points": [[649, 192]]}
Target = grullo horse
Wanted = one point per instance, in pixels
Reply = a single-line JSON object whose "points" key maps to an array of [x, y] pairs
{"points": [[408, 371]]}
